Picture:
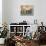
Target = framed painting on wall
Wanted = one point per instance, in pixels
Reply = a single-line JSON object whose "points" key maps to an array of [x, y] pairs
{"points": [[26, 10]]}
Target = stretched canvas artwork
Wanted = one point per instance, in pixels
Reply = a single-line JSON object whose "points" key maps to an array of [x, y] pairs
{"points": [[26, 9]]}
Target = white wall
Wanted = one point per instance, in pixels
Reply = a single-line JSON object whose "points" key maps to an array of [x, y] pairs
{"points": [[4, 11], [0, 13], [12, 11]]}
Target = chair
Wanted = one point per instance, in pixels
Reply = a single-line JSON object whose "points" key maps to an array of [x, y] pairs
{"points": [[9, 42], [42, 37]]}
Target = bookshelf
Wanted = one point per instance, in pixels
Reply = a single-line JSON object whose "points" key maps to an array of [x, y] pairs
{"points": [[18, 29]]}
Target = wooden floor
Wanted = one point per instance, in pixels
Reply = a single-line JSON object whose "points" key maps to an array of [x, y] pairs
{"points": [[1, 45], [36, 44], [32, 45], [42, 45]]}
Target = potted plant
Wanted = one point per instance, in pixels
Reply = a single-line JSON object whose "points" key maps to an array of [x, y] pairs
{"points": [[3, 34]]}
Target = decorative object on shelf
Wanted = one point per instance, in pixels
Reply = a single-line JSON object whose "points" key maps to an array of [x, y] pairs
{"points": [[26, 10], [35, 21], [42, 23], [23, 23], [14, 24]]}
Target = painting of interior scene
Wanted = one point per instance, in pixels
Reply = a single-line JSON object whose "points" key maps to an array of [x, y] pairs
{"points": [[26, 9]]}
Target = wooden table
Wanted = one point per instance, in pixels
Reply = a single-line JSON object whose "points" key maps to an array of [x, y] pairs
{"points": [[27, 43], [23, 42]]}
